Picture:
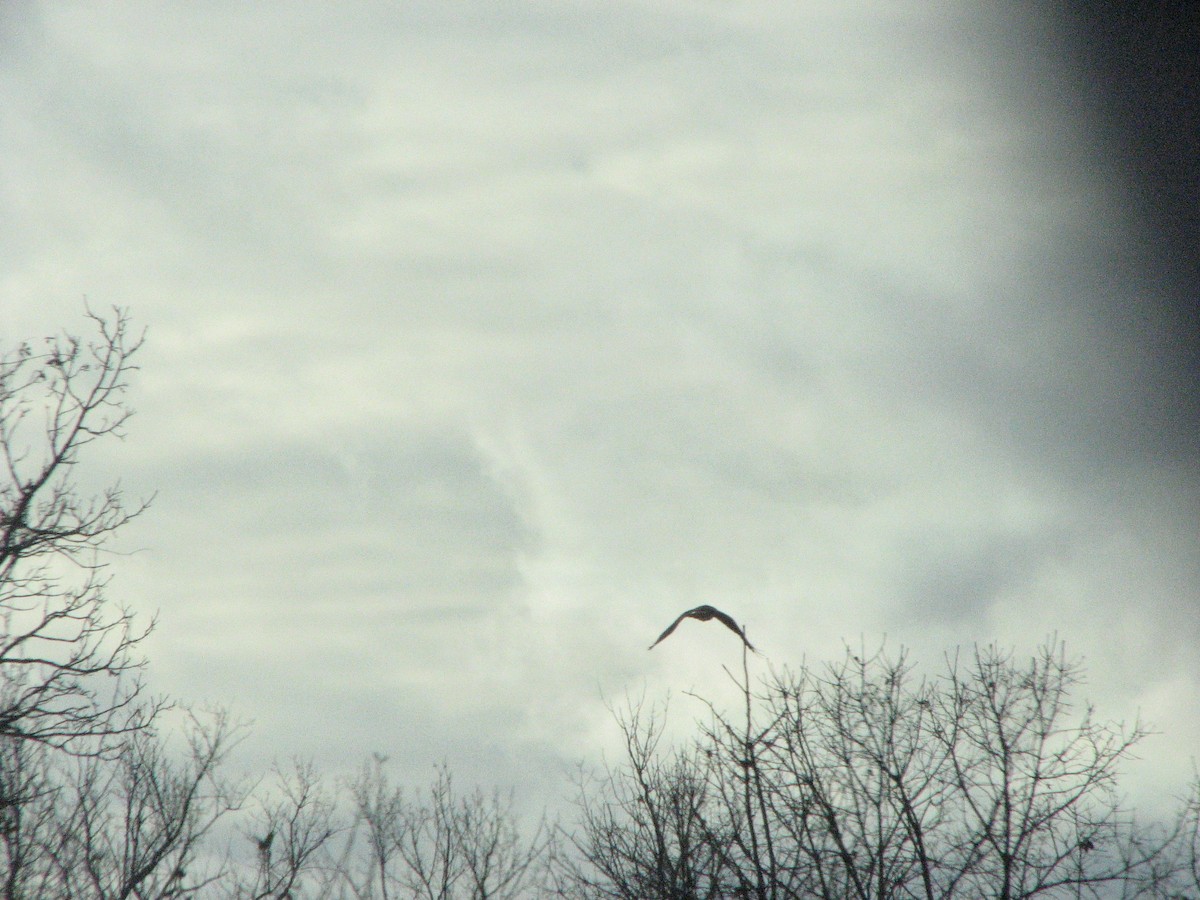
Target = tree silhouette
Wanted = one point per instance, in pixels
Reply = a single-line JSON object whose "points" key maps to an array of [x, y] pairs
{"points": [[68, 661], [860, 780]]}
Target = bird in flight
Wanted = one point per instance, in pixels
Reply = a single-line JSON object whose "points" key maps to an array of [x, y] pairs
{"points": [[704, 613]]}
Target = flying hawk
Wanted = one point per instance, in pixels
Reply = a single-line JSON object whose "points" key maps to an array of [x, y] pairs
{"points": [[704, 613]]}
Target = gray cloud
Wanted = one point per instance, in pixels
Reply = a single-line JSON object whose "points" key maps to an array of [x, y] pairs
{"points": [[480, 344]]}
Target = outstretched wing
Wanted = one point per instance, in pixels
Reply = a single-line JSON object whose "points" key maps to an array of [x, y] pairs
{"points": [[670, 628], [727, 620]]}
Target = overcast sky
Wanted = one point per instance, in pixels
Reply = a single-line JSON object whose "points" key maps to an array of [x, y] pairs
{"points": [[485, 338]]}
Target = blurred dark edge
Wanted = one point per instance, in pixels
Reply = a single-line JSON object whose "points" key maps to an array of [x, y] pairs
{"points": [[1134, 68]]}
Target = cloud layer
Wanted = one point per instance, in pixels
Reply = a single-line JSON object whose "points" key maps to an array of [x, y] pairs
{"points": [[483, 343]]}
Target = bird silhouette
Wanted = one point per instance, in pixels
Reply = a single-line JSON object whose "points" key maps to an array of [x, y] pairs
{"points": [[704, 614]]}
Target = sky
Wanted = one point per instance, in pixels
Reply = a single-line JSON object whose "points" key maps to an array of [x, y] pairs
{"points": [[483, 339]]}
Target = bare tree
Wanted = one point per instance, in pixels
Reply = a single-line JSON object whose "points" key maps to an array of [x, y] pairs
{"points": [[128, 824], [290, 829], [442, 846], [861, 780], [651, 828], [28, 828], [91, 804], [1184, 879], [68, 661]]}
